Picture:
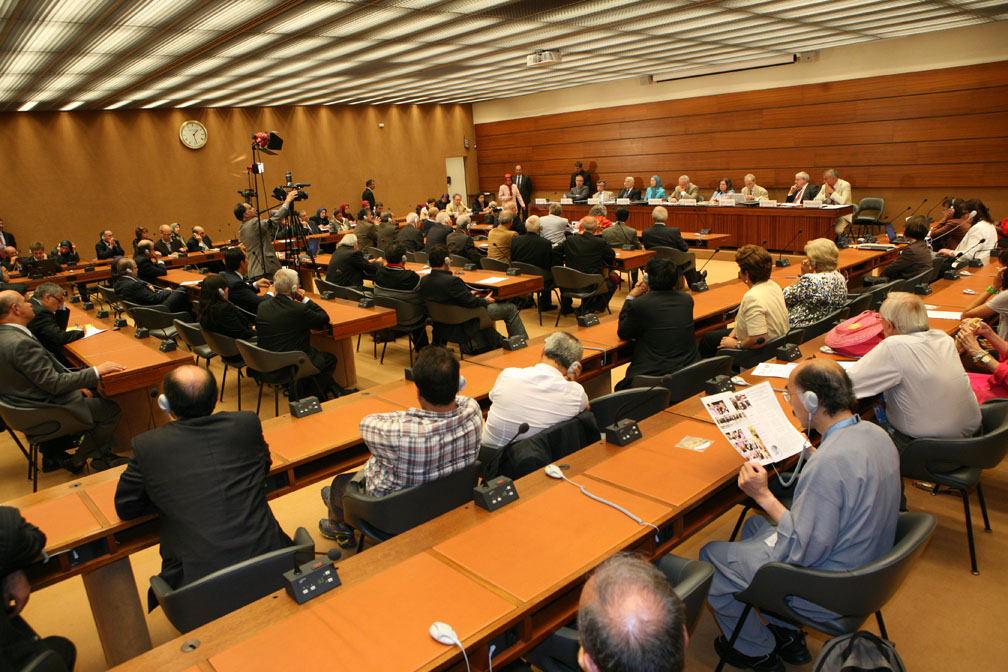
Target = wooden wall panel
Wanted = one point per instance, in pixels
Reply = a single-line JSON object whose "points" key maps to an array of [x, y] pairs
{"points": [[70, 174], [896, 136]]}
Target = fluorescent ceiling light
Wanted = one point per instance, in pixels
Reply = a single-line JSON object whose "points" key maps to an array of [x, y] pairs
{"points": [[27, 106], [188, 103], [116, 106], [156, 103], [72, 106], [727, 67]]}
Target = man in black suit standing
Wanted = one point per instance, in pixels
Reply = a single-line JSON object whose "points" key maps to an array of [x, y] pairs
{"points": [[532, 248], [588, 253], [285, 322], [579, 170], [659, 320], [129, 287], [524, 184], [108, 247], [51, 319], [801, 190], [628, 190], [368, 194], [31, 375], [243, 293], [204, 474], [659, 235]]}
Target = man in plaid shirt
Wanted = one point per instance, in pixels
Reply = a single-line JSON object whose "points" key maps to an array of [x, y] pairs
{"points": [[414, 446]]}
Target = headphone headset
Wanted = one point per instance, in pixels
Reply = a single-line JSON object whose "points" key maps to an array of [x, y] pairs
{"points": [[462, 382], [810, 401], [223, 296], [162, 402]]}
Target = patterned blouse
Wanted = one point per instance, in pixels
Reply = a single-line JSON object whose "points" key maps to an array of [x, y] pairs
{"points": [[815, 296]]}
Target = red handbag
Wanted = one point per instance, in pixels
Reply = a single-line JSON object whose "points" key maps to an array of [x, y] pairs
{"points": [[857, 336]]}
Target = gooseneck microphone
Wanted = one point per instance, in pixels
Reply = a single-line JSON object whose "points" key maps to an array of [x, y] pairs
{"points": [[716, 250], [928, 213], [955, 264], [781, 261], [917, 208], [969, 218]]}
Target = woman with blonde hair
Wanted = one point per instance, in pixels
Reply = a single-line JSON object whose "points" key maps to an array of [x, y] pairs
{"points": [[821, 289]]}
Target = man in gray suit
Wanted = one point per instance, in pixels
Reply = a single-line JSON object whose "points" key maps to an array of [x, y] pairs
{"points": [[31, 375], [257, 236]]}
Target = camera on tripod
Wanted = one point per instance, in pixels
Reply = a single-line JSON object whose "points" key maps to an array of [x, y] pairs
{"points": [[280, 193]]}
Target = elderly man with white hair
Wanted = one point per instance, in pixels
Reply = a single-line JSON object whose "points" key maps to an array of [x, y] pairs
{"points": [[912, 365], [348, 267], [835, 191], [410, 235], [685, 189], [801, 190], [541, 395], [284, 322], [438, 232], [628, 190]]}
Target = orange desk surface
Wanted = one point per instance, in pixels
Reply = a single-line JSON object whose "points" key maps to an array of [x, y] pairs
{"points": [[350, 630], [948, 294], [530, 356], [479, 381], [563, 533], [627, 259], [63, 519]]}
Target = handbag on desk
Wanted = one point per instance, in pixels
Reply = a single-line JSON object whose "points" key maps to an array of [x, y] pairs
{"points": [[856, 336]]}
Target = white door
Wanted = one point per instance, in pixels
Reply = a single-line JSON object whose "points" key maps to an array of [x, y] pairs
{"points": [[455, 170]]}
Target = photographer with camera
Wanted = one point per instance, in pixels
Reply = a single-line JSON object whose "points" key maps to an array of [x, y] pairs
{"points": [[257, 236]]}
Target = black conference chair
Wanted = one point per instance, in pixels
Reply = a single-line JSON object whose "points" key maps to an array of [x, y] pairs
{"points": [[747, 359], [161, 323], [959, 463], [854, 594], [867, 215], [225, 348], [635, 404], [459, 261], [529, 269], [231, 588], [690, 579], [880, 292], [323, 285], [418, 257], [531, 454], [574, 284], [689, 380], [107, 296], [409, 317], [488, 264], [41, 423], [277, 369], [381, 518], [192, 335], [817, 329], [443, 315], [858, 304]]}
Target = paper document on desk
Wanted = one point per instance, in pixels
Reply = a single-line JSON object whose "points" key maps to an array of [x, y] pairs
{"points": [[492, 280], [89, 329], [944, 315], [768, 370], [754, 424], [833, 206], [190, 283]]}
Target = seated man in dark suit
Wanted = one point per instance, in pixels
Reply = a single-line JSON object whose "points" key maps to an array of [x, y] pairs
{"points": [[31, 375], [619, 235], [629, 191], [442, 286], [51, 319], [801, 190], [130, 288], [285, 322], [148, 262], [588, 253], [199, 241], [410, 235], [659, 235], [167, 243], [108, 247], [387, 232], [460, 242], [242, 292], [532, 248], [580, 191], [204, 474], [437, 234], [365, 230], [437, 438], [398, 282], [348, 267], [658, 318]]}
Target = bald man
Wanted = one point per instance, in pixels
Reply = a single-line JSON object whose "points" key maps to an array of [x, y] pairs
{"points": [[843, 516], [167, 243], [204, 474]]}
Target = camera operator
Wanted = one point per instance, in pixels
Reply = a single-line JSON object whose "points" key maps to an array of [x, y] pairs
{"points": [[257, 236]]}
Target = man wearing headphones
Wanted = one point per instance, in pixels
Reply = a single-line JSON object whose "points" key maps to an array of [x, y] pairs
{"points": [[205, 475], [128, 287], [843, 515]]}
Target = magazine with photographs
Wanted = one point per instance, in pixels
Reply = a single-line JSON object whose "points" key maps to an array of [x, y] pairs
{"points": [[755, 424]]}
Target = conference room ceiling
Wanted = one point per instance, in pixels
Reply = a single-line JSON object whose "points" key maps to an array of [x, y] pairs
{"points": [[112, 54]]}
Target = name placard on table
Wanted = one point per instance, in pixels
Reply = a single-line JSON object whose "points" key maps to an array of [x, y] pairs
{"points": [[811, 204], [654, 201], [541, 201], [566, 201], [726, 201], [622, 201], [768, 204], [687, 201]]}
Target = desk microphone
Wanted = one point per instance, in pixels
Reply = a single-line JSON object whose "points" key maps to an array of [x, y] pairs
{"points": [[781, 261], [955, 264], [917, 208], [492, 468], [701, 284], [625, 430]]}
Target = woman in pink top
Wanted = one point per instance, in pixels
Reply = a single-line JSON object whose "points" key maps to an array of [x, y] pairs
{"points": [[994, 383]]}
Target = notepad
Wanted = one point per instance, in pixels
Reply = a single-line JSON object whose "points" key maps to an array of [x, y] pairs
{"points": [[944, 315], [492, 280]]}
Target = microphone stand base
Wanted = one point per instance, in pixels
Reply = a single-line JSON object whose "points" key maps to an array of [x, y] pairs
{"points": [[782, 262], [622, 432]]}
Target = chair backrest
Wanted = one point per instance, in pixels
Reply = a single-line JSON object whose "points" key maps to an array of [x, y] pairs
{"points": [[880, 292], [107, 294], [569, 278], [389, 515], [922, 277], [46, 661], [223, 345], [985, 451], [152, 318], [854, 594], [323, 285], [859, 303], [819, 328], [678, 257], [443, 313], [419, 257], [374, 252], [528, 269], [691, 580], [230, 588], [407, 312], [190, 332], [874, 206], [688, 380], [294, 362], [458, 261], [636, 404], [488, 264], [746, 359], [42, 422]]}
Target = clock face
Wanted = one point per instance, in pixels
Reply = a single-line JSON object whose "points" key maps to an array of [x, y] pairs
{"points": [[193, 134]]}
